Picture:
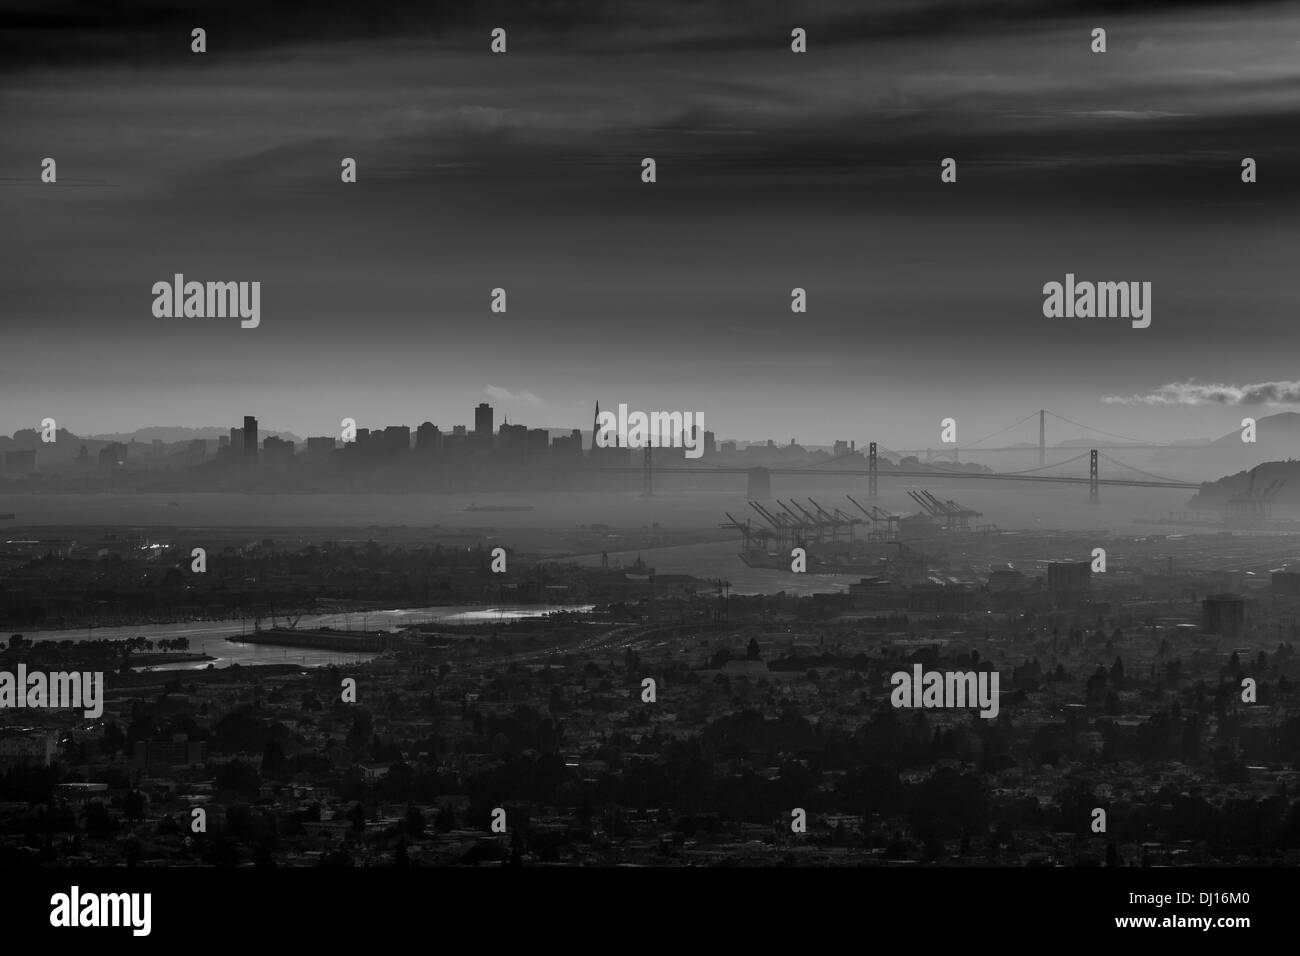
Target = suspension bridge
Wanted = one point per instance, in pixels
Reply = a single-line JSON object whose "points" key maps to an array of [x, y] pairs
{"points": [[846, 465]]}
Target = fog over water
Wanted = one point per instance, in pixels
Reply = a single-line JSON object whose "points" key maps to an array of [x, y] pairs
{"points": [[1008, 505]]}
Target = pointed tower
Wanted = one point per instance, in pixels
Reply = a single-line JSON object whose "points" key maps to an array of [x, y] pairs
{"points": [[595, 428]]}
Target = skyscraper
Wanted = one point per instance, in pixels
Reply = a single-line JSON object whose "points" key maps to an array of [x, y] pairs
{"points": [[483, 421], [250, 438]]}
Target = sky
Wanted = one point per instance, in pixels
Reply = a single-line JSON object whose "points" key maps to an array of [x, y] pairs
{"points": [[775, 170]]}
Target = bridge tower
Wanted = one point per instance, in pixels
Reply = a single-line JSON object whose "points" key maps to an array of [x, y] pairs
{"points": [[647, 475], [1092, 478], [1042, 438], [872, 477]]}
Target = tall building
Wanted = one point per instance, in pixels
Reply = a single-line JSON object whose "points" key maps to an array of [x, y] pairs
{"points": [[35, 747], [514, 439], [320, 447], [1224, 614], [483, 421], [539, 441], [250, 438], [277, 453], [569, 445], [597, 449], [428, 439], [397, 439], [1069, 577]]}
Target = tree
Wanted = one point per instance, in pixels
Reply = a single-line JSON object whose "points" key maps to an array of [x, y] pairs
{"points": [[239, 821], [361, 731], [752, 650], [1095, 688], [358, 817], [273, 759], [133, 806], [414, 822], [239, 776], [98, 823]]}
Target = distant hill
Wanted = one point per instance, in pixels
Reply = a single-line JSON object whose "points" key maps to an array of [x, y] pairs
{"points": [[1277, 439], [168, 434], [1281, 430], [1286, 496], [67, 445]]}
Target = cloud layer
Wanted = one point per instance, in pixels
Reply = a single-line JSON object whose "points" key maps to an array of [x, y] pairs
{"points": [[499, 394], [1195, 393]]}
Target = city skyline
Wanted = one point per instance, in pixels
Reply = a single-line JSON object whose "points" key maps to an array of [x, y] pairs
{"points": [[1012, 436]]}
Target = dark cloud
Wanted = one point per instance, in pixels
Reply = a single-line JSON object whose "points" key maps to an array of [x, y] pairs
{"points": [[75, 32]]}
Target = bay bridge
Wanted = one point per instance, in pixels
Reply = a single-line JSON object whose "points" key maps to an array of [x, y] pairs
{"points": [[759, 478]]}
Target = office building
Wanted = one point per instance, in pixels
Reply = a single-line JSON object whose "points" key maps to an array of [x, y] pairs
{"points": [[1069, 577], [483, 421], [428, 439], [250, 439], [1224, 614]]}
